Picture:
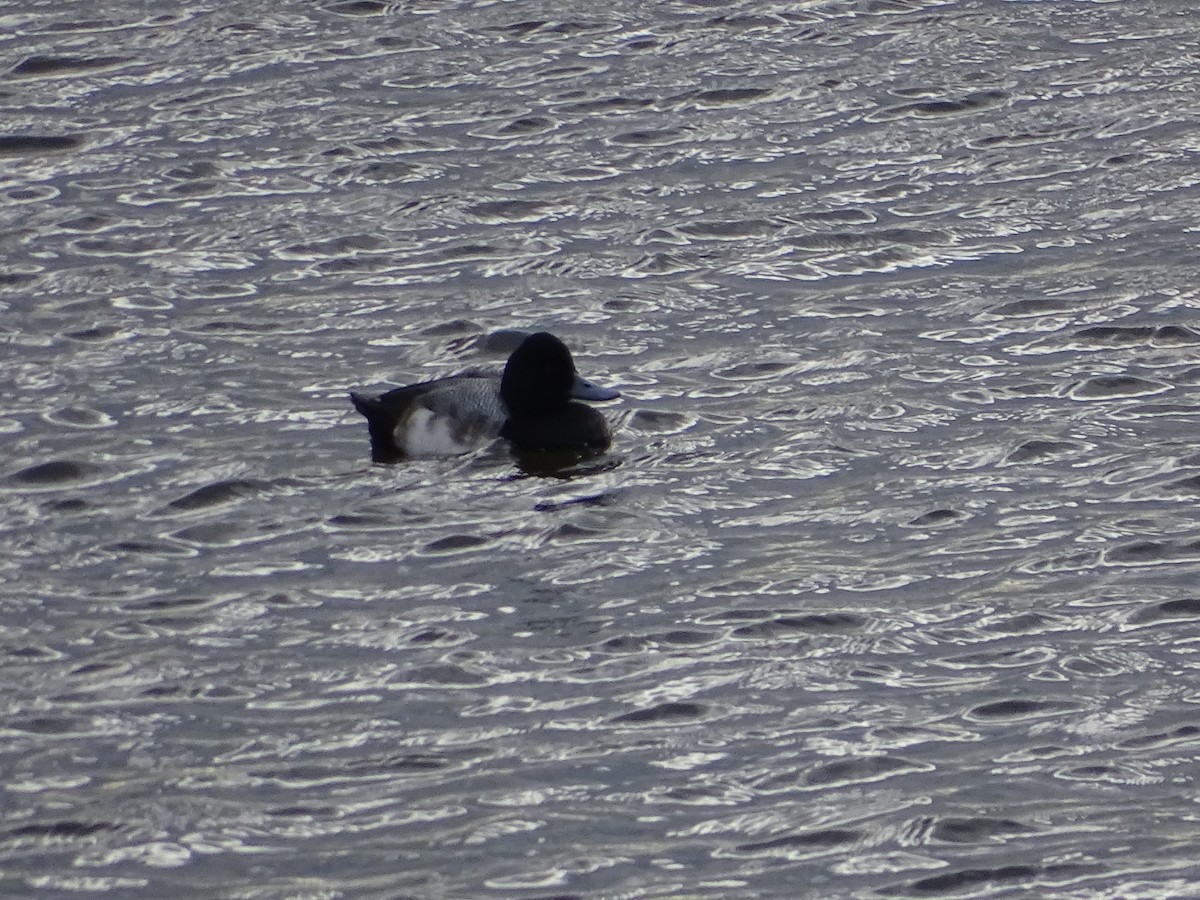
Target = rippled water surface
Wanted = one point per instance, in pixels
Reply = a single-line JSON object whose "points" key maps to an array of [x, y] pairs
{"points": [[886, 587]]}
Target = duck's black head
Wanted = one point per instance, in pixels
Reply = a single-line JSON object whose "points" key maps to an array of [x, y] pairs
{"points": [[540, 378]]}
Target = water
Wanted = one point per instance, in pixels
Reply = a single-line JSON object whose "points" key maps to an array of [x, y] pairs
{"points": [[884, 589]]}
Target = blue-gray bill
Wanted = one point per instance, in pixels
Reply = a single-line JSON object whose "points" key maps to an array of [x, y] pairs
{"points": [[582, 389]]}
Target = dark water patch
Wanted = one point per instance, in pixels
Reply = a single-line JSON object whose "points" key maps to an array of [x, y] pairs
{"points": [[1133, 335], [501, 342], [220, 692], [456, 543], [1041, 451], [525, 126], [509, 211], [97, 334], [13, 279], [1184, 487], [727, 616], [1107, 387], [1034, 306], [303, 812], [1018, 710], [445, 675], [650, 137], [95, 668], [1063, 562], [171, 603], [85, 26], [52, 474], [627, 643], [850, 215], [216, 534], [151, 548], [1184, 734], [202, 169], [1150, 553], [968, 880], [337, 247], [1184, 609], [412, 762], [727, 230], [473, 252], [63, 66], [1023, 138], [171, 691], [607, 104], [1024, 623], [219, 493], [792, 626], [67, 829], [766, 631], [664, 713], [822, 242], [529, 27], [696, 795], [975, 830], [633, 643], [1120, 160], [730, 96], [684, 637], [810, 840], [1099, 774], [124, 245], [381, 171], [1114, 335], [452, 328], [911, 237], [33, 653], [79, 417], [925, 109], [1175, 336], [861, 770], [660, 421], [33, 194], [440, 637], [825, 622], [359, 8], [315, 773], [68, 505], [751, 371], [1016, 657], [571, 531], [45, 725], [522, 28], [37, 144], [564, 466], [936, 517]]}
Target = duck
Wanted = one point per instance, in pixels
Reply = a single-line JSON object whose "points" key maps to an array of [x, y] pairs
{"points": [[534, 405]]}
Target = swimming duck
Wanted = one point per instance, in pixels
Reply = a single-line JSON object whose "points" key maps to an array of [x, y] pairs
{"points": [[531, 405]]}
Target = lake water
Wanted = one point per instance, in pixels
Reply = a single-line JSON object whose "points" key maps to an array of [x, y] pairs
{"points": [[886, 587]]}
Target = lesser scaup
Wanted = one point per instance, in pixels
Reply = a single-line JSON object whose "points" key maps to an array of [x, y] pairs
{"points": [[530, 404]]}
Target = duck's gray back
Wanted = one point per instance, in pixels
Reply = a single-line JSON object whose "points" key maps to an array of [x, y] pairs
{"points": [[453, 415], [468, 398]]}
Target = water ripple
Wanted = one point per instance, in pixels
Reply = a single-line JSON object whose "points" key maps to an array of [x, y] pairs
{"points": [[898, 520]]}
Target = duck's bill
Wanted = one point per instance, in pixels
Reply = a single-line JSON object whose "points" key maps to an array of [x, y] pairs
{"points": [[585, 390]]}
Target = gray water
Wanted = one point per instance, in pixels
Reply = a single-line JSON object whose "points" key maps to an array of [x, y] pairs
{"points": [[885, 588]]}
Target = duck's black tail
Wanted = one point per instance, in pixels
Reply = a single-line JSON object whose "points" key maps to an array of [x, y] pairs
{"points": [[381, 425]]}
